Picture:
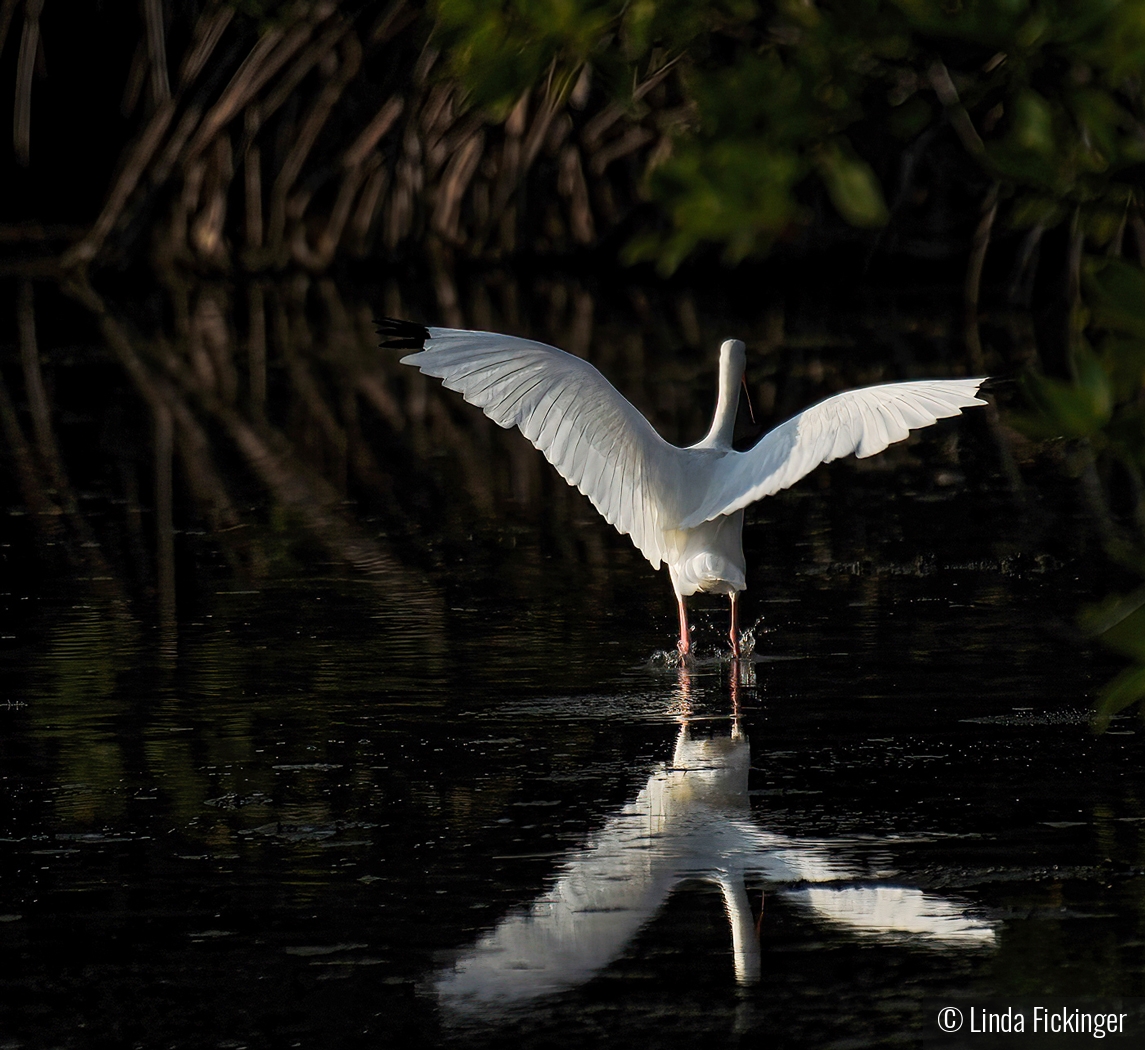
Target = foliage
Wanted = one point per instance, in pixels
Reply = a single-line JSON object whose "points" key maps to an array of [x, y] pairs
{"points": [[1104, 403], [767, 121], [501, 48], [1120, 624], [1045, 96]]}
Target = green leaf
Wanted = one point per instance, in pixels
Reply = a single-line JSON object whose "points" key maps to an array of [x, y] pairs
{"points": [[1030, 209], [1126, 689], [1117, 295], [1096, 619], [910, 118], [1128, 636], [1093, 382], [737, 193], [1101, 224], [1033, 124], [1048, 174], [1120, 624], [852, 186], [1124, 358], [1100, 115], [1066, 409]]}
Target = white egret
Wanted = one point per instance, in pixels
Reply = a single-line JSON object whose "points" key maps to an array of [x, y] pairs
{"points": [[682, 507]]}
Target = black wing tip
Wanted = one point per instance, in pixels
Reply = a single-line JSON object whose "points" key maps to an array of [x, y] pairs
{"points": [[401, 335]]}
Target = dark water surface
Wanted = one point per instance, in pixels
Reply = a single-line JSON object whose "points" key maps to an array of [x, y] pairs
{"points": [[415, 770]]}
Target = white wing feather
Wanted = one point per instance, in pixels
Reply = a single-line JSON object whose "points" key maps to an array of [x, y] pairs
{"points": [[863, 421], [597, 440], [641, 484]]}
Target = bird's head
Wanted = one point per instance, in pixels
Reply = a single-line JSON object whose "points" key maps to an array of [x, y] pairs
{"points": [[733, 366], [733, 358]]}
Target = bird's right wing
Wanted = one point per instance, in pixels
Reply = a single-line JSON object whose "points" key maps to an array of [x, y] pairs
{"points": [[597, 440], [903, 910], [863, 421]]}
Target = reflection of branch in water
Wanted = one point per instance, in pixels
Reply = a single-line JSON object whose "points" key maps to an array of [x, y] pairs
{"points": [[343, 449], [194, 447], [165, 526], [34, 384], [80, 710], [294, 340], [35, 493], [342, 344], [45, 459], [692, 820], [269, 454], [256, 351]]}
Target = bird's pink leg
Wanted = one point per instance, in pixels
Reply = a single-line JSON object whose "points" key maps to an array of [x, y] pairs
{"points": [[734, 633], [683, 646]]}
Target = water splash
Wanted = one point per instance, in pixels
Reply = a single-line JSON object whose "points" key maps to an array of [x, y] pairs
{"points": [[714, 656], [748, 637], [665, 660], [699, 658]]}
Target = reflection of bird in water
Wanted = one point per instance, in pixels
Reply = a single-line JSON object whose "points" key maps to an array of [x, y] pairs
{"points": [[691, 821], [681, 506]]}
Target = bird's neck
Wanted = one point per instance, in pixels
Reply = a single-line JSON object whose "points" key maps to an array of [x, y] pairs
{"points": [[727, 403]]}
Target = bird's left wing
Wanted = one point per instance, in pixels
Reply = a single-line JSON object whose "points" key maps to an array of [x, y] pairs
{"points": [[597, 440], [863, 421]]}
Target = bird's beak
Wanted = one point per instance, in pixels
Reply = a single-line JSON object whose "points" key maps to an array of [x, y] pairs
{"points": [[747, 394]]}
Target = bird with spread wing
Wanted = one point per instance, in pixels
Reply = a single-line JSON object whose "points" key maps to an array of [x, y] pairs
{"points": [[681, 507]]}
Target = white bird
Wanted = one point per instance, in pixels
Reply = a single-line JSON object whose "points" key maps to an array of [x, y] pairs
{"points": [[682, 507]]}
